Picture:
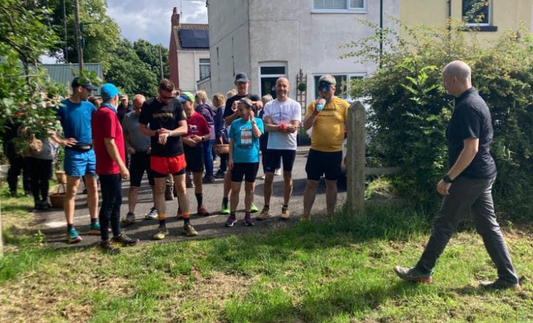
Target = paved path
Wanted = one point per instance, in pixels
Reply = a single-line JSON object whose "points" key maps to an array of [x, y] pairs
{"points": [[52, 222]]}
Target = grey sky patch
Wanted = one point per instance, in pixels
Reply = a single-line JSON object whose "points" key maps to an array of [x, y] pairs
{"points": [[150, 20]]}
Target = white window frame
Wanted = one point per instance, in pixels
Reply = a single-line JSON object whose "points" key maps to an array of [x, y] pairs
{"points": [[200, 64], [348, 10], [489, 18], [271, 64], [349, 76]]}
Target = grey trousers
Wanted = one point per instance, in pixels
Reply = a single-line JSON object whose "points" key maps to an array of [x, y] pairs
{"points": [[475, 195]]}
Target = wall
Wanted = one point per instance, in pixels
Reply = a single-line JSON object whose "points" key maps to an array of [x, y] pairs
{"points": [[189, 69], [229, 42], [506, 15]]}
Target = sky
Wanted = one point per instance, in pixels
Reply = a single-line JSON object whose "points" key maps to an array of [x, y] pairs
{"points": [[150, 19]]}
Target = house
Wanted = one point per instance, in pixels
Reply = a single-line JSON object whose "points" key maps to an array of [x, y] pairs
{"points": [[298, 39], [188, 53], [65, 73], [491, 18]]}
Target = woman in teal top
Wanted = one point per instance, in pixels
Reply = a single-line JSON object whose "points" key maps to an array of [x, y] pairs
{"points": [[244, 137]]}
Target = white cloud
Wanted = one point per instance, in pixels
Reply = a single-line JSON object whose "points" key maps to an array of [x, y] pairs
{"points": [[150, 20]]}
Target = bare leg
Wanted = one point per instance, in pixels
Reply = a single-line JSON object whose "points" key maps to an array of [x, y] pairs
{"points": [[181, 189], [69, 204], [248, 195], [159, 198], [132, 197], [287, 192], [227, 183], [267, 188], [331, 196], [197, 180], [92, 195], [309, 196], [235, 190]]}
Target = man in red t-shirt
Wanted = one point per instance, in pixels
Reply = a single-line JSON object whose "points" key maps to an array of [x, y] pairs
{"points": [[108, 142], [197, 133]]}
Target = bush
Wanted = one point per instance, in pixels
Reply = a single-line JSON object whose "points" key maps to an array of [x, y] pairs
{"points": [[410, 109]]}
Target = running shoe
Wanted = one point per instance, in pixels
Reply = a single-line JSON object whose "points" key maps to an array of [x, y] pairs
{"points": [[188, 230], [73, 236], [161, 233]]}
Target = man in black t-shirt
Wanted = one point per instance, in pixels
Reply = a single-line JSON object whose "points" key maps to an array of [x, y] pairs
{"points": [[467, 185], [231, 114], [162, 119]]}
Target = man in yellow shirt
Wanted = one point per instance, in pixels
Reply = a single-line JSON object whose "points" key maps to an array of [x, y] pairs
{"points": [[328, 116]]}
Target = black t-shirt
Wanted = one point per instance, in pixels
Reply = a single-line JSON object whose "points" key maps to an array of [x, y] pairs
{"points": [[471, 119], [156, 115], [229, 104]]}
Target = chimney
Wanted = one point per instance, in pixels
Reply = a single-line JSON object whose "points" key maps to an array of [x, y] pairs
{"points": [[175, 20]]}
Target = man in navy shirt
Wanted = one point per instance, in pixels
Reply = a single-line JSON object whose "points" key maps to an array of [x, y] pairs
{"points": [[468, 183]]}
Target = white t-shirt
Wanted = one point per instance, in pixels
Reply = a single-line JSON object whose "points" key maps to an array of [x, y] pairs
{"points": [[282, 112]]}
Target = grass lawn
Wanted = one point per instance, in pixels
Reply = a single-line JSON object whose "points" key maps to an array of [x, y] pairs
{"points": [[328, 271]]}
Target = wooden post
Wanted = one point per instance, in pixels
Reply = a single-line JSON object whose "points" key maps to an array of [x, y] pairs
{"points": [[3, 176], [355, 159]]}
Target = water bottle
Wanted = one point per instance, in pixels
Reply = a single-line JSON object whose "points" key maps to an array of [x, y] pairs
{"points": [[320, 104]]}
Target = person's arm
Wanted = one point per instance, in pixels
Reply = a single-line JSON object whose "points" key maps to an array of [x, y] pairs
{"points": [[112, 150], [230, 159], [181, 130], [270, 126], [147, 132], [256, 130], [467, 155], [311, 116], [232, 117]]}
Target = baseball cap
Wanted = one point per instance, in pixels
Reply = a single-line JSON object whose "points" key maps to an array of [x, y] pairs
{"points": [[241, 78], [186, 96], [255, 97], [83, 82], [109, 91], [326, 82]]}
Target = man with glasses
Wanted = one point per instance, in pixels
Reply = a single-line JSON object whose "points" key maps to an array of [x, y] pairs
{"points": [[281, 118], [162, 119], [328, 116]]}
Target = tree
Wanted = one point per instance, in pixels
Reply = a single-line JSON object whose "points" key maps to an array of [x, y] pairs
{"points": [[130, 73], [149, 54], [100, 32], [410, 109]]}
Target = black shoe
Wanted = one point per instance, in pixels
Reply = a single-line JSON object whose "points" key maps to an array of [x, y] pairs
{"points": [[208, 179], [125, 241], [220, 174], [501, 284], [108, 248], [13, 194], [45, 205]]}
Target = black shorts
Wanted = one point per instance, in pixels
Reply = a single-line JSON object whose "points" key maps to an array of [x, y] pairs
{"points": [[246, 170], [273, 159], [139, 163], [320, 163], [195, 158]]}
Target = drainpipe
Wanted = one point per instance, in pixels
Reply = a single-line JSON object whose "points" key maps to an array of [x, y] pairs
{"points": [[380, 31], [449, 22]]}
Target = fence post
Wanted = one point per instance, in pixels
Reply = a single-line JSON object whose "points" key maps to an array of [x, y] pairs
{"points": [[355, 159]]}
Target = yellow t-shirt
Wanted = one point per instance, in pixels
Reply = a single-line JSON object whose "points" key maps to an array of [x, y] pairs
{"points": [[328, 129]]}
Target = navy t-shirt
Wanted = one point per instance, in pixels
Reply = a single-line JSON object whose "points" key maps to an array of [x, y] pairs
{"points": [[76, 120], [156, 115], [471, 119]]}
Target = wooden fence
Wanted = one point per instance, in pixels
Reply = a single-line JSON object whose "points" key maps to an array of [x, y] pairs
{"points": [[355, 160]]}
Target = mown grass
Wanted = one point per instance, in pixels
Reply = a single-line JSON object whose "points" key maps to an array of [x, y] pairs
{"points": [[330, 271]]}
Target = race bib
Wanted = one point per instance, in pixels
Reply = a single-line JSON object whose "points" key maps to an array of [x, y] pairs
{"points": [[246, 138]]}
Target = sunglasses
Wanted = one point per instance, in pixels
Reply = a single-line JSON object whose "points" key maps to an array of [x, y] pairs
{"points": [[324, 86], [164, 97]]}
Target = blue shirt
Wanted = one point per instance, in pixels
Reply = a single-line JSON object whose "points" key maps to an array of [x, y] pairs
{"points": [[245, 145], [76, 120]]}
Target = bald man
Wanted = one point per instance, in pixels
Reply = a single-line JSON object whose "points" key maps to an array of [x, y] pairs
{"points": [[281, 118], [467, 185], [138, 146]]}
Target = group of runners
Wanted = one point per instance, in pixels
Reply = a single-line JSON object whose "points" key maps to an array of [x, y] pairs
{"points": [[166, 136]]}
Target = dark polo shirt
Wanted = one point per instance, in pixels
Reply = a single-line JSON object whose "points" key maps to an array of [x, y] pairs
{"points": [[471, 119]]}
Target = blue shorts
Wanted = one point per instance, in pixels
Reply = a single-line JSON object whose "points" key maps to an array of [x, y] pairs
{"points": [[78, 164]]}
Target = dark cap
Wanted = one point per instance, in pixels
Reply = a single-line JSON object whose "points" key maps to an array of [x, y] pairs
{"points": [[83, 82], [241, 78], [255, 97]]}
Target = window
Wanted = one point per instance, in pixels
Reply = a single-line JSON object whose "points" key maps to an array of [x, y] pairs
{"points": [[477, 12], [205, 68], [342, 87], [339, 5], [268, 75]]}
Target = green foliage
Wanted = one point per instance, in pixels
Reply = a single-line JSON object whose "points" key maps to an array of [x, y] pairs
{"points": [[130, 73], [410, 109], [149, 54]]}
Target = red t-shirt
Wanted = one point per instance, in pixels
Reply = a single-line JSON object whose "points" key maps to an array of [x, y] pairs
{"points": [[105, 124], [197, 125]]}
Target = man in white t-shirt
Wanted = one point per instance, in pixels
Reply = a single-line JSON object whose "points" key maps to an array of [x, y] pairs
{"points": [[281, 119]]}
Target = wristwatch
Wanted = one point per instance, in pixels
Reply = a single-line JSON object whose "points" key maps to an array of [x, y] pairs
{"points": [[447, 179]]}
